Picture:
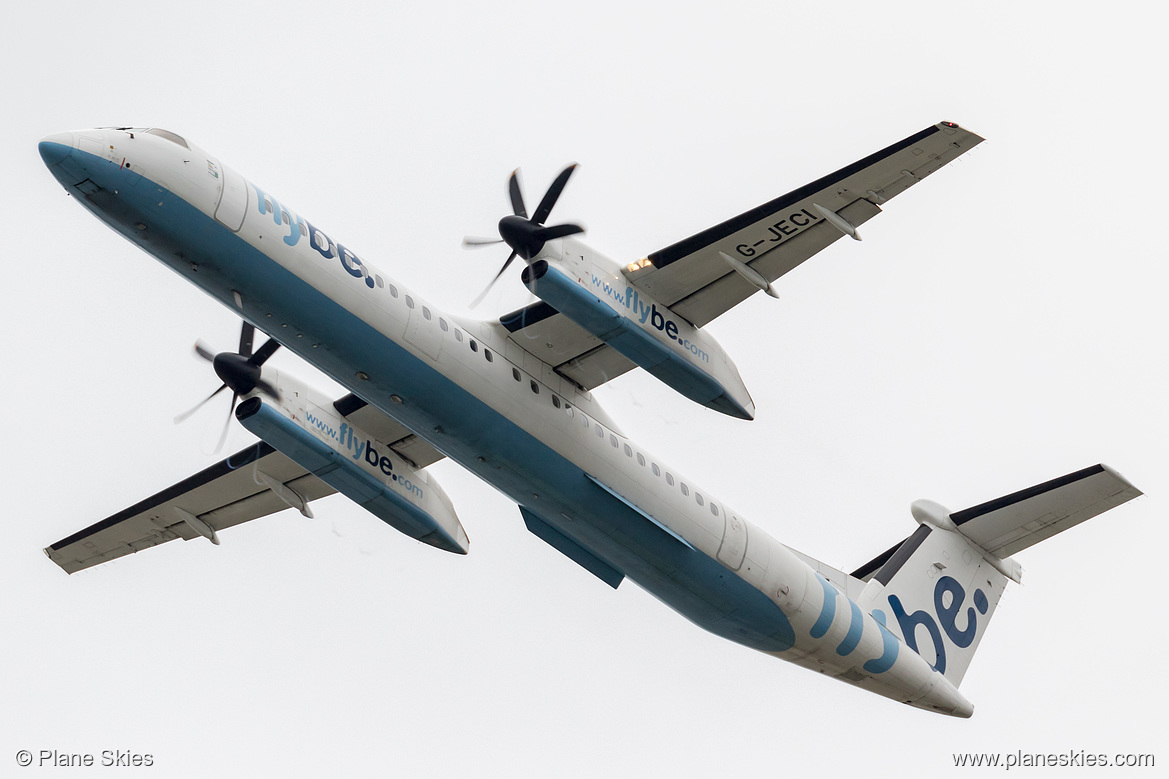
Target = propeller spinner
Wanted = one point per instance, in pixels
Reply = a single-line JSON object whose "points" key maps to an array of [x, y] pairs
{"points": [[239, 372], [526, 236]]}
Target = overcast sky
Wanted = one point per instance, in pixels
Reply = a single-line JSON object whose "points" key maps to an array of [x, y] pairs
{"points": [[1001, 324]]}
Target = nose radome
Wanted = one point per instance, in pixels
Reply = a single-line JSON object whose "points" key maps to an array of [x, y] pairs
{"points": [[55, 147]]}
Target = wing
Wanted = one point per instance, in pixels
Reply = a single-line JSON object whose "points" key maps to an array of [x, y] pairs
{"points": [[572, 351], [249, 484], [387, 430], [693, 279]]}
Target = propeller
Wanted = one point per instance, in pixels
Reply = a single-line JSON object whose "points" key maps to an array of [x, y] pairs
{"points": [[526, 236], [239, 372]]}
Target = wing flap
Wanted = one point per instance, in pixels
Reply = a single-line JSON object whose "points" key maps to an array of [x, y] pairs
{"points": [[264, 503]]}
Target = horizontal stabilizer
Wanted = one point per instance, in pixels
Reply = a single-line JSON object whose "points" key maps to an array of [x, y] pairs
{"points": [[1017, 521], [1012, 523]]}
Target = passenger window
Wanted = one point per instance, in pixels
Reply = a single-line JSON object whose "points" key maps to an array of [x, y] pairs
{"points": [[584, 421], [515, 374], [535, 387], [393, 291], [442, 325], [628, 451], [474, 346], [568, 410], [685, 489], [459, 336], [487, 354], [600, 431], [426, 313], [555, 401], [654, 467], [409, 302], [714, 509], [698, 497], [669, 479], [613, 440]]}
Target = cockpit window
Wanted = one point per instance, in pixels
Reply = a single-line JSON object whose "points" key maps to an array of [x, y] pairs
{"points": [[169, 136]]}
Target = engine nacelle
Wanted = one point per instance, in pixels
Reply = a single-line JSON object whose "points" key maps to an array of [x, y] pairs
{"points": [[362, 469], [650, 335]]}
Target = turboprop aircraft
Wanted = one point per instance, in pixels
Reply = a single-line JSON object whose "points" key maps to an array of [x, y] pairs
{"points": [[510, 401]]}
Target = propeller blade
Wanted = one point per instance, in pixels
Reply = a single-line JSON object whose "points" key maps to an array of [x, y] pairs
{"points": [[473, 242], [264, 352], [268, 389], [552, 195], [558, 231], [517, 197], [247, 334], [487, 289], [203, 351], [199, 405], [226, 424]]}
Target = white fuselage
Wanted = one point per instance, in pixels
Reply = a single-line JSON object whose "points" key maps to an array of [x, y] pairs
{"points": [[492, 407]]}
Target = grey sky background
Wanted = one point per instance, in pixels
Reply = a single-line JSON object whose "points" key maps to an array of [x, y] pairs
{"points": [[1001, 324]]}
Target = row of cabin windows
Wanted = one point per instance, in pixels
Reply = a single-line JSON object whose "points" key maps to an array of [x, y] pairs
{"points": [[600, 431], [557, 403], [442, 325], [425, 311]]}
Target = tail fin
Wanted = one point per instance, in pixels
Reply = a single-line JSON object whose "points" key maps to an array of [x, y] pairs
{"points": [[940, 586]]}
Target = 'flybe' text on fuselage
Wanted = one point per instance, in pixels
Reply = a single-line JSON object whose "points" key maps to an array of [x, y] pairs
{"points": [[299, 226]]}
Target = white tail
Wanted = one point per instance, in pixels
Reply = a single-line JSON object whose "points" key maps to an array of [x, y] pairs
{"points": [[938, 589]]}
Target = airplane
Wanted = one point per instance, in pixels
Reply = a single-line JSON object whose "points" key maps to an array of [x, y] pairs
{"points": [[510, 400]]}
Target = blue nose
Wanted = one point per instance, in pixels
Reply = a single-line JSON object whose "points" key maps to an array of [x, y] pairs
{"points": [[56, 147]]}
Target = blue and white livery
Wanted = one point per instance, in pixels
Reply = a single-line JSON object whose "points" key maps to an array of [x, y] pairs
{"points": [[510, 401]]}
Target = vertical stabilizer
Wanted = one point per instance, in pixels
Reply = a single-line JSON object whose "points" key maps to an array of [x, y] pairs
{"points": [[937, 593], [938, 589]]}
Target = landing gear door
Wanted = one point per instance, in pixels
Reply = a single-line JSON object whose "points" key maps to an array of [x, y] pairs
{"points": [[233, 199], [734, 545]]}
